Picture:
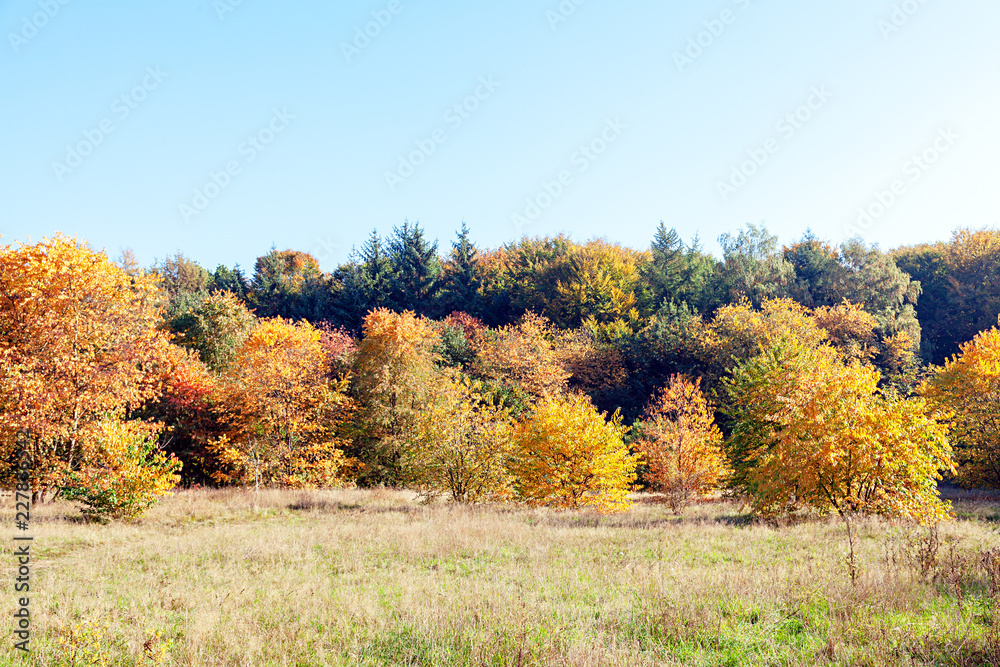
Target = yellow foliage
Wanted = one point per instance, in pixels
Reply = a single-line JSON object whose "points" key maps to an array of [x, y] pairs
{"points": [[681, 444], [79, 340], [282, 410], [464, 446], [813, 431], [523, 355], [569, 456], [969, 386], [126, 475]]}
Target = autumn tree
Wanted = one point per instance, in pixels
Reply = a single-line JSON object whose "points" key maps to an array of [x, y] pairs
{"points": [[463, 445], [680, 444], [568, 455], [521, 360], [813, 432], [968, 385], [79, 341], [289, 284], [126, 475], [189, 412], [395, 372], [282, 412]]}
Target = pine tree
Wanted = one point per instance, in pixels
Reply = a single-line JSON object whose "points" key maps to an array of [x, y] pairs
{"points": [[463, 277], [416, 267], [365, 283]]}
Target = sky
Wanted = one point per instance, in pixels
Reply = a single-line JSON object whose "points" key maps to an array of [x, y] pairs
{"points": [[223, 128]]}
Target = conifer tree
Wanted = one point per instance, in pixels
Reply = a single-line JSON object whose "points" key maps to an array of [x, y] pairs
{"points": [[463, 277], [416, 268]]}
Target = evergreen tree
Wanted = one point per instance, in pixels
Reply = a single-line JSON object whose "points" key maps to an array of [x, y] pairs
{"points": [[363, 284], [230, 280], [416, 269], [463, 276], [680, 273], [666, 272]]}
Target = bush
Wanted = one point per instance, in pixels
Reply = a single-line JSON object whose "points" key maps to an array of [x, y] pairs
{"points": [[129, 474]]}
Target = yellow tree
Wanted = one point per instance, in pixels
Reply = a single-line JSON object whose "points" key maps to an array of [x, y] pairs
{"points": [[395, 372], [79, 340], [567, 455], [282, 411], [968, 385], [463, 446], [680, 443], [129, 474], [811, 431]]}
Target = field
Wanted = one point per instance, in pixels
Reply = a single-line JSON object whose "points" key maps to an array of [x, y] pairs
{"points": [[376, 578]]}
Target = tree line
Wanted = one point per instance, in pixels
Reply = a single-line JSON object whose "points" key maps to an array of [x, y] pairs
{"points": [[811, 376]]}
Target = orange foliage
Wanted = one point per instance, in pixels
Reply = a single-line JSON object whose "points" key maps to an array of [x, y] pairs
{"points": [[681, 444], [79, 340]]}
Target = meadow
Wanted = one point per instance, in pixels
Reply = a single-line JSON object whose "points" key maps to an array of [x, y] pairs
{"points": [[374, 577]]}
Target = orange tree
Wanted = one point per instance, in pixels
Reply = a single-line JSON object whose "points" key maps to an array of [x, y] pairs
{"points": [[567, 455], [969, 386], [813, 432], [521, 361], [79, 340], [680, 443], [282, 411]]}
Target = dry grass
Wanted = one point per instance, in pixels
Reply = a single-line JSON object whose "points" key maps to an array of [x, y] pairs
{"points": [[375, 578]]}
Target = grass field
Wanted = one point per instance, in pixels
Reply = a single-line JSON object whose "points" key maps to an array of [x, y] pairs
{"points": [[375, 578]]}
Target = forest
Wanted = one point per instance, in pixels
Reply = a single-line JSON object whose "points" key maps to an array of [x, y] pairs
{"points": [[808, 377]]}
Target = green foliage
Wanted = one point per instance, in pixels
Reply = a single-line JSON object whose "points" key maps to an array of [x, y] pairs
{"points": [[184, 283], [753, 266], [462, 276], [416, 269], [215, 328]]}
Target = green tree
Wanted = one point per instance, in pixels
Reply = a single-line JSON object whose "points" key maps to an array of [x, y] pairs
{"points": [[753, 266], [364, 284], [183, 283], [416, 269], [216, 329], [462, 276]]}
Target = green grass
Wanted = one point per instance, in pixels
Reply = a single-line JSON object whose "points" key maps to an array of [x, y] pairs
{"points": [[375, 578]]}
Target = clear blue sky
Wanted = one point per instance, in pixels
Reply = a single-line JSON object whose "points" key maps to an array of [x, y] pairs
{"points": [[672, 129]]}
